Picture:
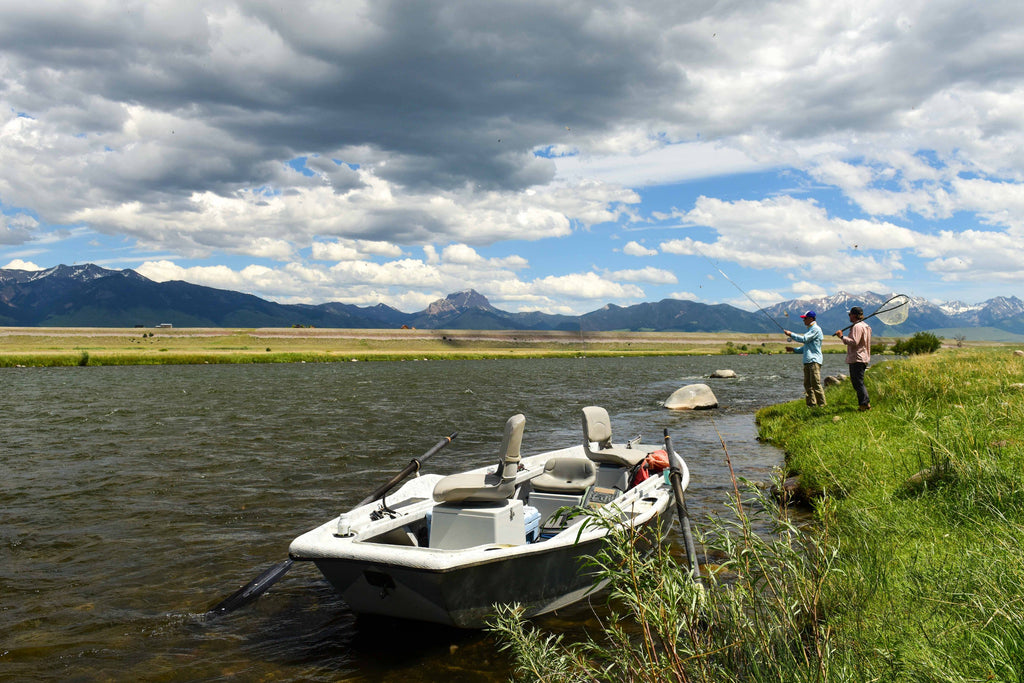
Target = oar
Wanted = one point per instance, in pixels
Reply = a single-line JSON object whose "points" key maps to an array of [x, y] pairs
{"points": [[258, 586], [675, 477], [413, 466], [251, 590]]}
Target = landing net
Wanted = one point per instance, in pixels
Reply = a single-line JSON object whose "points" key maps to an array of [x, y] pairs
{"points": [[894, 311]]}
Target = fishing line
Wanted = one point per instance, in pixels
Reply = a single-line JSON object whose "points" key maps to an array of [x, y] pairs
{"points": [[774, 322]]}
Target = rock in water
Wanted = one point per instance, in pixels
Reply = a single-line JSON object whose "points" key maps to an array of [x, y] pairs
{"points": [[692, 397], [724, 374]]}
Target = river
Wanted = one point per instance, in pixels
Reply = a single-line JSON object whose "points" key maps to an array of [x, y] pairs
{"points": [[133, 498]]}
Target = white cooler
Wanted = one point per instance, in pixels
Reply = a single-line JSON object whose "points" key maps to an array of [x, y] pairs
{"points": [[453, 527]]}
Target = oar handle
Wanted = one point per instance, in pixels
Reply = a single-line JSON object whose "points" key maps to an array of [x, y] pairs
{"points": [[678, 467], [413, 466], [676, 464]]}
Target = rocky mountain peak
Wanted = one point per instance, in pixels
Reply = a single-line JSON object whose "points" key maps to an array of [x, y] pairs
{"points": [[459, 301]]}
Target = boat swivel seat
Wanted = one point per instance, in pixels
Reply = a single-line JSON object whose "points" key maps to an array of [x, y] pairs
{"points": [[489, 487], [597, 429], [566, 474], [564, 483]]}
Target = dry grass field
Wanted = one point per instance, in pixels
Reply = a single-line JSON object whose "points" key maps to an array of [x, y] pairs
{"points": [[114, 346]]}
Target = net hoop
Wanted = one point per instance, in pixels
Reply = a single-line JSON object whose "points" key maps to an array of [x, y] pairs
{"points": [[894, 311]]}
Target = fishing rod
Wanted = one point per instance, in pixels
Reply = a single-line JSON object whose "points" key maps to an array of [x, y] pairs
{"points": [[713, 265]]}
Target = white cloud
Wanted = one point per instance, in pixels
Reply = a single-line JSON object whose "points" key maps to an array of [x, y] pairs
{"points": [[648, 274], [786, 234], [353, 250], [633, 248], [657, 164], [17, 229], [461, 254], [18, 264], [219, 132], [585, 286], [804, 290]]}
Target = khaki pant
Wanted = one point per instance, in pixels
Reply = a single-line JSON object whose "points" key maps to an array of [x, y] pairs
{"points": [[814, 394]]}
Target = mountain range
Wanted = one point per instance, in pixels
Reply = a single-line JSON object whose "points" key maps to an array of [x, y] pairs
{"points": [[90, 296]]}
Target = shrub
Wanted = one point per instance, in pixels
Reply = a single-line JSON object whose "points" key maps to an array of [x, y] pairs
{"points": [[921, 342]]}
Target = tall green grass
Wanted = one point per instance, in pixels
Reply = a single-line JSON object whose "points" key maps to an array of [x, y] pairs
{"points": [[911, 570], [757, 616]]}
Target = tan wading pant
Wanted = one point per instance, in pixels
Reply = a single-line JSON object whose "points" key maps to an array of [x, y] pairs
{"points": [[814, 394]]}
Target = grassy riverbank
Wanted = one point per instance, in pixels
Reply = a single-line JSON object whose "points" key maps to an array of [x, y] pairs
{"points": [[912, 569], [926, 510], [137, 346]]}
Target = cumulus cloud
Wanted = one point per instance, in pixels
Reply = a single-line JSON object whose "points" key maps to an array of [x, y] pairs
{"points": [[785, 234], [352, 250], [586, 286], [633, 248], [18, 264], [17, 229], [649, 274], [228, 131]]}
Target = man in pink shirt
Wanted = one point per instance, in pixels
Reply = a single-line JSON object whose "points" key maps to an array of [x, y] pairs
{"points": [[858, 354]]}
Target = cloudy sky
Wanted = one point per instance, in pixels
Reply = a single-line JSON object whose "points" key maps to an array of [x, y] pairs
{"points": [[553, 155]]}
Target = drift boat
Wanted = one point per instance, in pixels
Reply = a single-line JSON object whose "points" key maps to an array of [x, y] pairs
{"points": [[447, 549]]}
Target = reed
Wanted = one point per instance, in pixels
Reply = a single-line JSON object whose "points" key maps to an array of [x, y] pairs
{"points": [[757, 616]]}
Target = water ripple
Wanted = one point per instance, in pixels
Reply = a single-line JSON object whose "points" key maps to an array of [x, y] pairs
{"points": [[135, 497]]}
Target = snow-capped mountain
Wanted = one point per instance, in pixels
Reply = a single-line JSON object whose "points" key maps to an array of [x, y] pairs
{"points": [[90, 296]]}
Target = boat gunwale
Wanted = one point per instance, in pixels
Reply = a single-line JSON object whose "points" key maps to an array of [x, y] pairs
{"points": [[322, 543]]}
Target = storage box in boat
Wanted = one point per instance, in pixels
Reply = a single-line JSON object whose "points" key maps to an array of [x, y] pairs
{"points": [[453, 527], [532, 521], [548, 503]]}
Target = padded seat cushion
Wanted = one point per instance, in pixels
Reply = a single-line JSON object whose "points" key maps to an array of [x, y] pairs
{"points": [[597, 428], [478, 487], [473, 487], [566, 475], [617, 455]]}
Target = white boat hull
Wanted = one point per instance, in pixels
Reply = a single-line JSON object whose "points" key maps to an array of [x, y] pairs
{"points": [[380, 568]]}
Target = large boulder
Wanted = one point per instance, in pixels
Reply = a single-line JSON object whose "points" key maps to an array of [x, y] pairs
{"points": [[724, 374], [692, 397]]}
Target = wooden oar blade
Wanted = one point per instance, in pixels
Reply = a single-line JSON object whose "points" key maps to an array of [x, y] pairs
{"points": [[252, 590]]}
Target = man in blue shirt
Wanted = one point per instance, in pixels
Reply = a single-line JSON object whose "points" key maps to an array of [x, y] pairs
{"points": [[814, 393]]}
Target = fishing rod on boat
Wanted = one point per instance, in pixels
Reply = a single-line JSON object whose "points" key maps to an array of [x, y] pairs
{"points": [[677, 468], [258, 586], [892, 312]]}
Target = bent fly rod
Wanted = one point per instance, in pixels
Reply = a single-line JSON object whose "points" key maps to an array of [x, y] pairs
{"points": [[764, 312]]}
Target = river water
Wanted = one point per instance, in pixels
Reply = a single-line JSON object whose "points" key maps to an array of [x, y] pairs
{"points": [[133, 498]]}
